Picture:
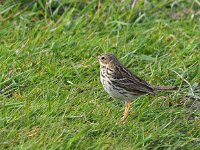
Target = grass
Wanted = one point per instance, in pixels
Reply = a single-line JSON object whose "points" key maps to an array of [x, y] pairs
{"points": [[50, 93]]}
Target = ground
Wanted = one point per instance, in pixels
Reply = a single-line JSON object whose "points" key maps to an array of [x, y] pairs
{"points": [[50, 93]]}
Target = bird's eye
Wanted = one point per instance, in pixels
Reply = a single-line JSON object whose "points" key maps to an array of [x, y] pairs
{"points": [[102, 58]]}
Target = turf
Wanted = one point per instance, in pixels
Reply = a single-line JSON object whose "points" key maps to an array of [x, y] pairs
{"points": [[50, 93]]}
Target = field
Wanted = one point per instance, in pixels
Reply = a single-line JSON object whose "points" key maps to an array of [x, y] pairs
{"points": [[50, 93]]}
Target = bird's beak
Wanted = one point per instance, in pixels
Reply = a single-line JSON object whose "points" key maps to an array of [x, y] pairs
{"points": [[97, 57]]}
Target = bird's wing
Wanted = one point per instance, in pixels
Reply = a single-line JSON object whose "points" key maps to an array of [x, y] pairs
{"points": [[131, 82]]}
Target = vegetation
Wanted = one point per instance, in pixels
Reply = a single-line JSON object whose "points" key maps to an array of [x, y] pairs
{"points": [[50, 93]]}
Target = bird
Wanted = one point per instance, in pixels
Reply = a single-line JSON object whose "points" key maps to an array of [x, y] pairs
{"points": [[120, 83]]}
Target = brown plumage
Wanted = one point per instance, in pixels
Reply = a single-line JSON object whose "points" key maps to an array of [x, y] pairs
{"points": [[120, 83]]}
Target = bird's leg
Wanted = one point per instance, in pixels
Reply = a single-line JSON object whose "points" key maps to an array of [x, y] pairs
{"points": [[127, 108]]}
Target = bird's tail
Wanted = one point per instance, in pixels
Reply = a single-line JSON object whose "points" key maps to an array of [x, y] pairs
{"points": [[165, 88]]}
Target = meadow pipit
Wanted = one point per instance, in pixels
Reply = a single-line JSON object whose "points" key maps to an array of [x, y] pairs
{"points": [[120, 83]]}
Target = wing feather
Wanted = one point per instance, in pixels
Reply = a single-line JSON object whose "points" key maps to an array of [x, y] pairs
{"points": [[124, 78]]}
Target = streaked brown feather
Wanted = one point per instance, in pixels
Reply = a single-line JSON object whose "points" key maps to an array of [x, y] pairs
{"points": [[131, 82], [118, 80]]}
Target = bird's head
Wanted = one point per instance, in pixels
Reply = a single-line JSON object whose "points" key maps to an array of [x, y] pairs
{"points": [[107, 59]]}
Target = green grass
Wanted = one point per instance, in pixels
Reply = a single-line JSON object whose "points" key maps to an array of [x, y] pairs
{"points": [[50, 93]]}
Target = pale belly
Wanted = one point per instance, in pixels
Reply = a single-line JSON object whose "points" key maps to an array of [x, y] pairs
{"points": [[116, 92]]}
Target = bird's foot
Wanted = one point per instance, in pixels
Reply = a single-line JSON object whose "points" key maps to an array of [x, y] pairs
{"points": [[126, 111]]}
